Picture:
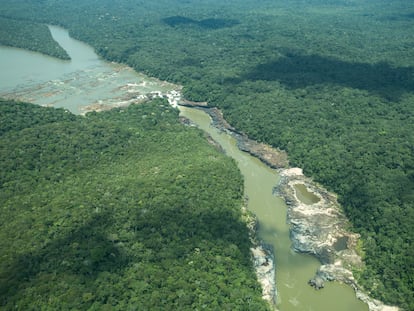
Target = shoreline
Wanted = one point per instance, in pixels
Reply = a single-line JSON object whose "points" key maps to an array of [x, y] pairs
{"points": [[262, 258], [271, 157], [336, 265], [320, 228]]}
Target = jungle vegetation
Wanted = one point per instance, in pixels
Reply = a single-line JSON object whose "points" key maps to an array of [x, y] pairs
{"points": [[30, 36], [114, 211], [329, 81]]}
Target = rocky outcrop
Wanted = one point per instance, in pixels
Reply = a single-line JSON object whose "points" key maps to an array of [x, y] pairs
{"points": [[317, 282], [263, 259], [320, 229], [330, 272], [272, 157], [189, 103], [218, 120]]}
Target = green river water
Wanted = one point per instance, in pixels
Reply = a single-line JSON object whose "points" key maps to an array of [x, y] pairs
{"points": [[89, 80]]}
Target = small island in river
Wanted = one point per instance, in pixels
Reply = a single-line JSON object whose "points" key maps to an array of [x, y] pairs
{"points": [[321, 229]]}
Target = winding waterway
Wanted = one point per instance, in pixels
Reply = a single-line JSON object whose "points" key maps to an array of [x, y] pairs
{"points": [[89, 80], [84, 81]]}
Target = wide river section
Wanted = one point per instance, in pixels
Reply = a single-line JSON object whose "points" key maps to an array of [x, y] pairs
{"points": [[87, 81]]}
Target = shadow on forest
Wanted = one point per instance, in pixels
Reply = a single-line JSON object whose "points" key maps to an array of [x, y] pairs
{"points": [[209, 23], [299, 71], [173, 232], [84, 253], [165, 233]]}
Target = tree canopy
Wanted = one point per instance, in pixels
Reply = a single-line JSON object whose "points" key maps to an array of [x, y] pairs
{"points": [[116, 211], [30, 36], [331, 82]]}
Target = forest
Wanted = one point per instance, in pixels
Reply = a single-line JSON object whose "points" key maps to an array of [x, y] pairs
{"points": [[113, 211], [329, 81], [30, 36]]}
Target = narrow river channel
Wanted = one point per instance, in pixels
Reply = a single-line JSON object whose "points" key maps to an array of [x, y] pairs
{"points": [[89, 80]]}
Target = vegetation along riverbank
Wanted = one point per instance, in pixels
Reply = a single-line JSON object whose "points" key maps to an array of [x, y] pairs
{"points": [[318, 227], [329, 82], [104, 212]]}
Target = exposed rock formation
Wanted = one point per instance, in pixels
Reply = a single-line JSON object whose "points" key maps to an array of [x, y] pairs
{"points": [[263, 260], [264, 265], [272, 157], [318, 228], [189, 103], [317, 282], [321, 229]]}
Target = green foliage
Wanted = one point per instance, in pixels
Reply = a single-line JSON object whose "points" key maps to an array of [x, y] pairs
{"points": [[30, 36], [115, 211], [366, 157], [330, 81]]}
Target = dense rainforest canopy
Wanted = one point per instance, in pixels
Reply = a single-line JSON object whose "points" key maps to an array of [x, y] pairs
{"points": [[330, 81], [114, 211], [30, 36]]}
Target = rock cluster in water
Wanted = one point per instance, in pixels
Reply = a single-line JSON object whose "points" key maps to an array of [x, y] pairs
{"points": [[262, 254], [272, 157], [265, 270], [263, 259], [321, 229]]}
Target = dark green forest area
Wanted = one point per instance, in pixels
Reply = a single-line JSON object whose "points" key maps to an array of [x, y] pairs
{"points": [[113, 211], [30, 36], [329, 81]]}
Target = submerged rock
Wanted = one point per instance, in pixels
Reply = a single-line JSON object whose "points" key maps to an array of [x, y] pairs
{"points": [[317, 282]]}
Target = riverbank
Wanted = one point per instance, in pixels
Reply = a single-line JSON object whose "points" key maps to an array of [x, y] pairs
{"points": [[263, 259], [274, 158], [262, 254], [319, 228], [129, 88]]}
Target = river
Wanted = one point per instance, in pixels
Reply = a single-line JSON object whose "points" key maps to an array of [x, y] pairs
{"points": [[87, 80], [76, 85]]}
